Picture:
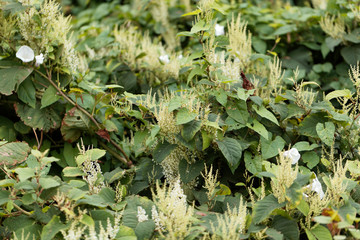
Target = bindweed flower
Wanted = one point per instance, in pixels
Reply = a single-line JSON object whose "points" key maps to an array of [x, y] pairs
{"points": [[219, 30], [292, 154], [39, 60], [316, 187], [25, 53], [164, 58]]}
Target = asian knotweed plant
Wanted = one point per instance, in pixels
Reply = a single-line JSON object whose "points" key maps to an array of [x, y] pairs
{"points": [[46, 28], [174, 213], [285, 176]]}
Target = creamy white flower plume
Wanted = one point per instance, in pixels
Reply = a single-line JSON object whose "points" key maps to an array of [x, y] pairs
{"points": [[219, 30], [164, 58], [293, 154], [39, 59], [25, 53]]}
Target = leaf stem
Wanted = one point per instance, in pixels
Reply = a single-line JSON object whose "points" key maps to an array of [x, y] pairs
{"points": [[115, 154], [21, 210]]}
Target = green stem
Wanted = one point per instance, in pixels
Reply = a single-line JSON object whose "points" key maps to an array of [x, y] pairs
{"points": [[21, 210]]}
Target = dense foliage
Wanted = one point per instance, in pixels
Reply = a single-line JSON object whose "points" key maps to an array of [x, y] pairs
{"points": [[179, 119]]}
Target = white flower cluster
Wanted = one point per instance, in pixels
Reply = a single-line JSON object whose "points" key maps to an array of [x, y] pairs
{"points": [[141, 214], [26, 54], [164, 58], [156, 218]]}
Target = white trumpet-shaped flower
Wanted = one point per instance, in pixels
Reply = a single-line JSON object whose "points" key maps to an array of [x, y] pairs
{"points": [[292, 154], [219, 30], [25, 53], [316, 187], [164, 58], [39, 59]]}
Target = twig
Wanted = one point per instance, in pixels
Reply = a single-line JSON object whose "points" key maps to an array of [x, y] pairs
{"points": [[115, 154], [37, 139], [41, 139], [129, 162], [21, 210]]}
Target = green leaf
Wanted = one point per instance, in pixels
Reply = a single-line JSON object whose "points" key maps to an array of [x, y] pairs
{"points": [[72, 172], [331, 43], [163, 150], [90, 155], [196, 12], [175, 103], [326, 132], [7, 129], [238, 112], [311, 159], [321, 233], [42, 119], [190, 129], [25, 173], [338, 93], [351, 54], [274, 234], [26, 93], [87, 220], [308, 126], [263, 112], [252, 164], [305, 146], [244, 94], [70, 154], [285, 29], [259, 128], [184, 116], [294, 193], [231, 149], [48, 182], [73, 124], [144, 230], [4, 196], [52, 228], [303, 207], [221, 96], [195, 71], [264, 207], [200, 26], [189, 172], [287, 227], [270, 148], [11, 77], [13, 153], [49, 97]]}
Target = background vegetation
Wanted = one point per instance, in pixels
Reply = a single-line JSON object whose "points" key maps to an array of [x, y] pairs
{"points": [[179, 119]]}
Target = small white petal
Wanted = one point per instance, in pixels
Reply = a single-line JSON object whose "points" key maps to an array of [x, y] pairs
{"points": [[25, 53], [164, 58], [39, 59], [293, 154], [219, 30], [316, 187]]}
